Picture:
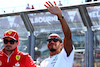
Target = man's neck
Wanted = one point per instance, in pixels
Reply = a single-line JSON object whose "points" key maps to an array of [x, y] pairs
{"points": [[54, 53], [8, 52]]}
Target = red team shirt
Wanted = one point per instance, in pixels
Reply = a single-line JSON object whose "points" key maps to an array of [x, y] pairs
{"points": [[16, 59]]}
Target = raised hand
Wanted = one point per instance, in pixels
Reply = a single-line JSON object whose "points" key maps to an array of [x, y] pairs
{"points": [[53, 9]]}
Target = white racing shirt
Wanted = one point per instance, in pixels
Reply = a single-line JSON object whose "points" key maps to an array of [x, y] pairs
{"points": [[59, 60]]}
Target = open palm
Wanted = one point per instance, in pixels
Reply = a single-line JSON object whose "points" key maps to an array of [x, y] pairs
{"points": [[53, 9]]}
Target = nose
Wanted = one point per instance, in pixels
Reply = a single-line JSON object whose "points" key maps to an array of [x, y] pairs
{"points": [[52, 41], [8, 43]]}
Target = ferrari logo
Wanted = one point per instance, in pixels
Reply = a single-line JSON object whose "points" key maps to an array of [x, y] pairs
{"points": [[18, 57], [9, 32]]}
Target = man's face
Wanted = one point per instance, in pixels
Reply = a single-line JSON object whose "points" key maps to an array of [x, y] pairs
{"points": [[54, 44], [9, 44]]}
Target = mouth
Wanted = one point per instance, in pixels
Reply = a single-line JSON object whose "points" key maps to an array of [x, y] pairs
{"points": [[8, 46]]}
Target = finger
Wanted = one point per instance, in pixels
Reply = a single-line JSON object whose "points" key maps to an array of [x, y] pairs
{"points": [[55, 3], [50, 3], [47, 3]]}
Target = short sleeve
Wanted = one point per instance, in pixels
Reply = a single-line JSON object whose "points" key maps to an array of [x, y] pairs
{"points": [[70, 57], [63, 60]]}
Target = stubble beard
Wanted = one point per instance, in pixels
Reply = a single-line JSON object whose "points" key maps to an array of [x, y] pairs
{"points": [[8, 48], [53, 50]]}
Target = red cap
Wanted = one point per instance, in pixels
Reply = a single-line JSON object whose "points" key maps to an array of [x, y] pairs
{"points": [[12, 34]]}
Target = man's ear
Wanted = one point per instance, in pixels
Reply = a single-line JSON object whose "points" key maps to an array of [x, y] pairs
{"points": [[3, 41], [18, 43], [61, 44]]}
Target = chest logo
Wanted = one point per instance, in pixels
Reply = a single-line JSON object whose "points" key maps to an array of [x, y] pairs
{"points": [[17, 65], [0, 63], [18, 57]]}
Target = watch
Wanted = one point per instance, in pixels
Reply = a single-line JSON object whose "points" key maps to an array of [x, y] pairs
{"points": [[61, 18]]}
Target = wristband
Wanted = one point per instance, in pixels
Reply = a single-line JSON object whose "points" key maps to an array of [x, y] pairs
{"points": [[61, 18]]}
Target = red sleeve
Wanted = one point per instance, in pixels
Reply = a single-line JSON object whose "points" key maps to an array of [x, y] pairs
{"points": [[29, 62]]}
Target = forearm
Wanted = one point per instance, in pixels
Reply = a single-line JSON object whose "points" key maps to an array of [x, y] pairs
{"points": [[67, 36], [65, 27]]}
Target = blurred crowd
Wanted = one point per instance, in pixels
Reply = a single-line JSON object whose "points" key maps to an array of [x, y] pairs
{"points": [[28, 6]]}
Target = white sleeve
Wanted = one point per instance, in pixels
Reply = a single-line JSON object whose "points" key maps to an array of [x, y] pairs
{"points": [[42, 63], [63, 60], [70, 57]]}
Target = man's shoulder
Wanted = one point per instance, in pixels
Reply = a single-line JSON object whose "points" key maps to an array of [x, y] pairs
{"points": [[23, 54], [46, 59], [1, 52]]}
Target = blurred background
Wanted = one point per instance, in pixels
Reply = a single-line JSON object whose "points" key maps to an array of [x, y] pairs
{"points": [[34, 23]]}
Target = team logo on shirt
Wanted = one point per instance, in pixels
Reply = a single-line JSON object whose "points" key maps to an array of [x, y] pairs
{"points": [[17, 64], [0, 63], [18, 57], [54, 60]]}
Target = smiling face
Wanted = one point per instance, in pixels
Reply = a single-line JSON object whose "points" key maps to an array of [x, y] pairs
{"points": [[9, 44], [54, 44]]}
